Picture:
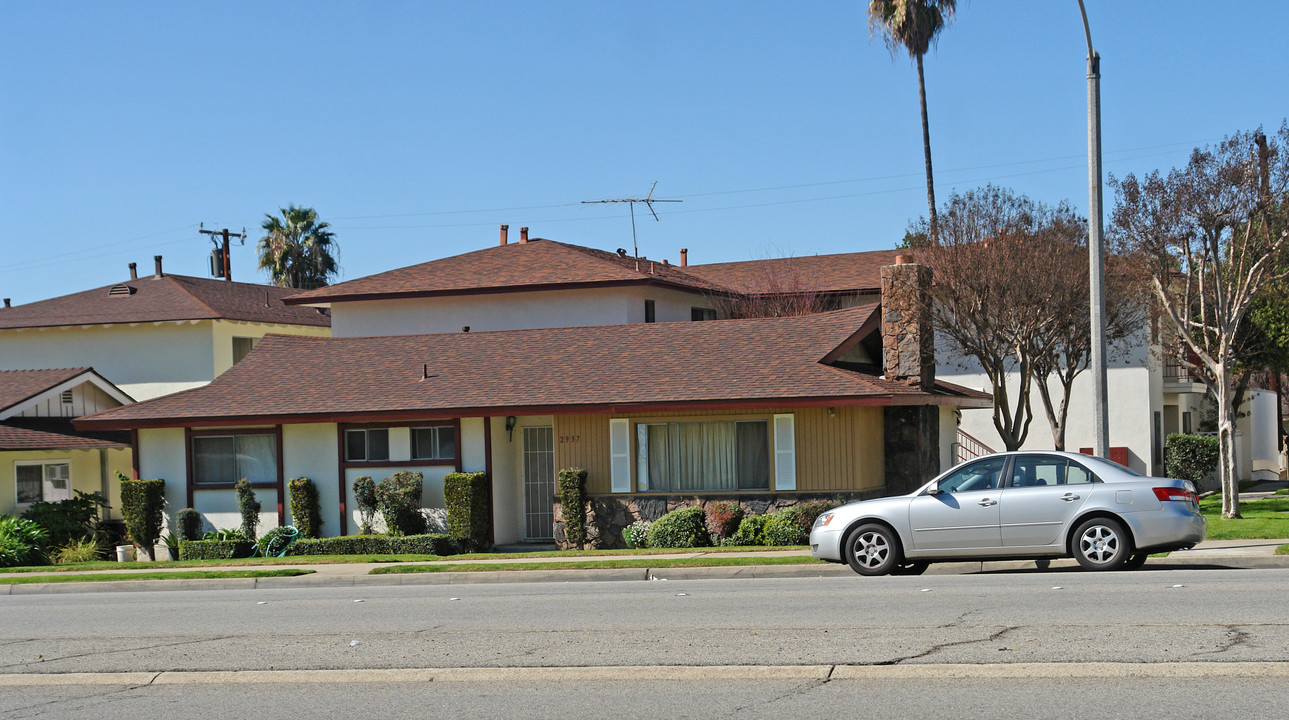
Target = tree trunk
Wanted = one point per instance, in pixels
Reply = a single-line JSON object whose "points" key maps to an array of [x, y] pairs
{"points": [[1226, 441], [926, 149]]}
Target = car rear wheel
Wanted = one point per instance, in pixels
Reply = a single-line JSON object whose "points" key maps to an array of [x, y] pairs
{"points": [[873, 549], [1101, 544]]}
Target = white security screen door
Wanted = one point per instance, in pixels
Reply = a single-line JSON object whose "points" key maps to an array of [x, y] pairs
{"points": [[539, 483]]}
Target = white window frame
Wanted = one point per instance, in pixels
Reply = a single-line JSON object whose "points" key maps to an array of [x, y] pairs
{"points": [[44, 480], [642, 454], [367, 458], [456, 441]]}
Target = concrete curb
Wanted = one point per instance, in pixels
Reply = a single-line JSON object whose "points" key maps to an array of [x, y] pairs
{"points": [[726, 572]]}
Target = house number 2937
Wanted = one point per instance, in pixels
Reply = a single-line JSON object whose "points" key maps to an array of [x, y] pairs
{"points": [[569, 439]]}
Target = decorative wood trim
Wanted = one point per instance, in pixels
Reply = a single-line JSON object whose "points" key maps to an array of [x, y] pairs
{"points": [[188, 464], [351, 464], [281, 477], [134, 453], [340, 473], [503, 289], [456, 424], [487, 469]]}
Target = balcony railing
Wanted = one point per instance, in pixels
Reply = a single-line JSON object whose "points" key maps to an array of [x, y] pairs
{"points": [[1176, 371], [967, 447]]}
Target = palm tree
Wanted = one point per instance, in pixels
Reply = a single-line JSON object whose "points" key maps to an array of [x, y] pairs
{"points": [[297, 249], [914, 25]]}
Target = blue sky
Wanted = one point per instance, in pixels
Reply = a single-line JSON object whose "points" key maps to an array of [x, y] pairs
{"points": [[417, 128]]}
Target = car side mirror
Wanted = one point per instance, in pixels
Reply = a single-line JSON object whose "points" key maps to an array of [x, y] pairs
{"points": [[933, 490]]}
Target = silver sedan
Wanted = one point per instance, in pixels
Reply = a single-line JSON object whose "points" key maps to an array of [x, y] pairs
{"points": [[1017, 505]]}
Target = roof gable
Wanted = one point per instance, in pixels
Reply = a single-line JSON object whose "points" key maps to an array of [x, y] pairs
{"points": [[161, 299], [536, 264], [24, 389]]}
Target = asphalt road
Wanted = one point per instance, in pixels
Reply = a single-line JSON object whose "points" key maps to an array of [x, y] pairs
{"points": [[1144, 616]]}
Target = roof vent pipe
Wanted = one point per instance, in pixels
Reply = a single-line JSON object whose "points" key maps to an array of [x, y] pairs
{"points": [[523, 235], [134, 271], [505, 230], [684, 257], [465, 328], [157, 259], [6, 302]]}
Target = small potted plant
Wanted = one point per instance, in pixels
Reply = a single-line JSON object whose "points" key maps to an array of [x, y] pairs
{"points": [[172, 545]]}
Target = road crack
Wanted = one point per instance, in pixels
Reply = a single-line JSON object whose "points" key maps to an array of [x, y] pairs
{"points": [[1235, 637], [115, 651], [791, 693], [944, 646]]}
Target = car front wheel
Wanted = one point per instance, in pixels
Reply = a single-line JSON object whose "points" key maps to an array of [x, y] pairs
{"points": [[1101, 544], [873, 549]]}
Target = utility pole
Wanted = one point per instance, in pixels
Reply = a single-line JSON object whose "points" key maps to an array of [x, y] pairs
{"points": [[1096, 251], [225, 264]]}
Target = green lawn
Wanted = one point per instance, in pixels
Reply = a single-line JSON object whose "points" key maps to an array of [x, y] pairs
{"points": [[159, 575], [1261, 519], [618, 563]]}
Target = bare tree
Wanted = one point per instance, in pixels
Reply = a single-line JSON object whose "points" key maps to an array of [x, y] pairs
{"points": [[1214, 235], [994, 292], [1061, 349], [776, 288]]}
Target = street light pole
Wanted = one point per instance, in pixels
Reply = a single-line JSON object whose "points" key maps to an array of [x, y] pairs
{"points": [[1096, 251]]}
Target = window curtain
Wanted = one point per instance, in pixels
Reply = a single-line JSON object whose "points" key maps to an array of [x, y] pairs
{"points": [[213, 459], [753, 455], [257, 458]]}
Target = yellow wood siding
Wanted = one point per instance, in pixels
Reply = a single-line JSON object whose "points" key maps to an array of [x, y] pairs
{"points": [[838, 452]]}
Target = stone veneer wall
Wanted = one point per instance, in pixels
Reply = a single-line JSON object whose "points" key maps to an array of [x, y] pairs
{"points": [[609, 515], [908, 340]]}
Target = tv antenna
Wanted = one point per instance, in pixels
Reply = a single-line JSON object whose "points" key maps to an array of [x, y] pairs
{"points": [[648, 201]]}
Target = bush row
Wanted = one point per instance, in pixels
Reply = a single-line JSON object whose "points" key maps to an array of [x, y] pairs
{"points": [[428, 544], [215, 549], [725, 524]]}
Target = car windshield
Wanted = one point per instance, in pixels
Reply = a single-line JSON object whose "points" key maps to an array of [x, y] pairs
{"points": [[1121, 468]]}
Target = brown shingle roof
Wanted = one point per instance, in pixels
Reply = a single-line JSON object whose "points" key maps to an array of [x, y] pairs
{"points": [[170, 297], [17, 386], [535, 265], [842, 272], [55, 434], [580, 369]]}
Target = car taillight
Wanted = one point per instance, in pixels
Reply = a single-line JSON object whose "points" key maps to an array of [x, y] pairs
{"points": [[1172, 493]]}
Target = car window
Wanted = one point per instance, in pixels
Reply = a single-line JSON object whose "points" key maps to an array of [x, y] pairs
{"points": [[1078, 475], [980, 475], [1038, 471]]}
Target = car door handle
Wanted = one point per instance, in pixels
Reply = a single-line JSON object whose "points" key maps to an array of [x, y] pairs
{"points": [[987, 502], [1069, 497]]}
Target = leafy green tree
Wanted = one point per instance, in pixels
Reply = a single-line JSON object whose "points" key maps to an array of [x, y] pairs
{"points": [[297, 249], [914, 25]]}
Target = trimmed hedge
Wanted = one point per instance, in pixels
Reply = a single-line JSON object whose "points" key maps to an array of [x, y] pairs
{"points": [[305, 514], [142, 505], [248, 506], [469, 519], [190, 524], [365, 499], [215, 549], [572, 500], [429, 544], [782, 528], [1191, 457], [680, 528], [399, 499]]}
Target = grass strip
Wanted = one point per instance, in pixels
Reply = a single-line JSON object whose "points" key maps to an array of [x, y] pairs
{"points": [[1266, 519], [1282, 550], [160, 575], [614, 564]]}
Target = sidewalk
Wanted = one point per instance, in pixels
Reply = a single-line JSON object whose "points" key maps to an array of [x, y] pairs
{"points": [[1230, 554]]}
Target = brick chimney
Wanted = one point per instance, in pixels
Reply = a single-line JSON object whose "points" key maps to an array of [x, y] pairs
{"points": [[505, 231], [523, 235], [134, 271], [908, 339], [157, 259], [684, 257]]}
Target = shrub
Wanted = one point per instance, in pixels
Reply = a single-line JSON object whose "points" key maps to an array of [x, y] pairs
{"points": [[216, 549], [469, 519], [680, 528], [76, 551], [572, 500], [750, 531], [277, 541], [1191, 457], [228, 535], [305, 514], [782, 528], [723, 519], [248, 506], [67, 520], [142, 503], [190, 524], [365, 499], [22, 542], [636, 535], [428, 544], [108, 534], [398, 498]]}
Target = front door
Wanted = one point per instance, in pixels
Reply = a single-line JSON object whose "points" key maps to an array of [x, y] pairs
{"points": [[963, 513], [539, 483]]}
